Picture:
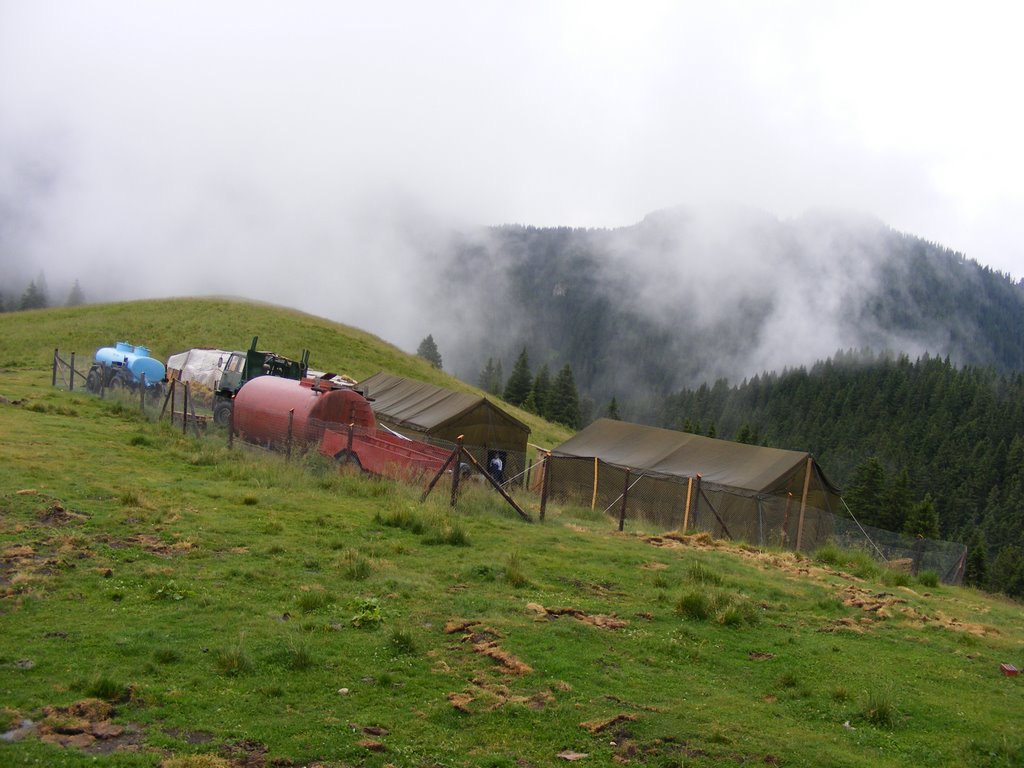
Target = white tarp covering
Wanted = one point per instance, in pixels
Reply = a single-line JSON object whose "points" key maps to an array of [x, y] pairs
{"points": [[202, 366]]}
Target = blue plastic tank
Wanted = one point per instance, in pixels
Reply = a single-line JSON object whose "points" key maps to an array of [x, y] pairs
{"points": [[135, 359]]}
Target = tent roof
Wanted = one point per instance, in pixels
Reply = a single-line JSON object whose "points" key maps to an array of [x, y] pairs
{"points": [[421, 406], [668, 452]]}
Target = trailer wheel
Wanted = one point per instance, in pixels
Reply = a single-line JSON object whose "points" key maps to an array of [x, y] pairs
{"points": [[117, 383], [222, 413], [344, 458], [93, 381], [155, 392]]}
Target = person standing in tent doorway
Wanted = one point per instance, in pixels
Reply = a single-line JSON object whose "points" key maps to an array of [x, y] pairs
{"points": [[497, 468]]}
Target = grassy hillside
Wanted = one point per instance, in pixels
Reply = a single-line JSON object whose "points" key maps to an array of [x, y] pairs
{"points": [[166, 601], [168, 326]]}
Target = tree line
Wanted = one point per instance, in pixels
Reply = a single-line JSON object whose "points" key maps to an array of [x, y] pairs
{"points": [[36, 295], [923, 447]]}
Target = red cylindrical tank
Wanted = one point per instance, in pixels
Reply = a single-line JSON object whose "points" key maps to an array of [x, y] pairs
{"points": [[263, 404]]}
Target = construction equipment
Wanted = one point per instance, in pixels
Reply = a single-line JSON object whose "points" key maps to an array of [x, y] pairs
{"points": [[125, 366], [244, 366]]}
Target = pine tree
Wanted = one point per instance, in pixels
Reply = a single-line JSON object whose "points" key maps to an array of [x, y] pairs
{"points": [[865, 493], [520, 382], [923, 519], [897, 504], [486, 378], [76, 297], [612, 412], [565, 400], [32, 298], [428, 351], [541, 392], [1007, 574], [976, 567]]}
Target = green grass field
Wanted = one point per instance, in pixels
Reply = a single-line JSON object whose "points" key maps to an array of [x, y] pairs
{"points": [[165, 601]]}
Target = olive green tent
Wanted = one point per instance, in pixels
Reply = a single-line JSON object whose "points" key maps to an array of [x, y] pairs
{"points": [[428, 412], [684, 480]]}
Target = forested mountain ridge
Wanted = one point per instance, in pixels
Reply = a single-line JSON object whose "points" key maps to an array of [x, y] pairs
{"points": [[897, 435], [716, 321], [690, 296]]}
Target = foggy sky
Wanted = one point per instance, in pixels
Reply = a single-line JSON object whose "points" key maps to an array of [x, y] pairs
{"points": [[309, 153]]}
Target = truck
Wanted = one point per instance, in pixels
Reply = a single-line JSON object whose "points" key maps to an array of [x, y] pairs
{"points": [[241, 367]]}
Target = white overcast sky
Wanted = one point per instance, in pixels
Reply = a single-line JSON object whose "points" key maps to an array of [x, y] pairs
{"points": [[139, 128]]}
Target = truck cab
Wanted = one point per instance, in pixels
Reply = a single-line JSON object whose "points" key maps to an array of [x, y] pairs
{"points": [[243, 366]]}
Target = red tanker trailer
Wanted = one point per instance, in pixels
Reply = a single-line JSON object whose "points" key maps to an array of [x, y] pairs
{"points": [[272, 412]]}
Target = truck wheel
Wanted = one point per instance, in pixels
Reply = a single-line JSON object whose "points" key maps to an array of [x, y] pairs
{"points": [[346, 459], [116, 383], [92, 381], [222, 414], [155, 392]]}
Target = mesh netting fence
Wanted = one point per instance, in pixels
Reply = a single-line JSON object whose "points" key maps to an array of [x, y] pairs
{"points": [[655, 502]]}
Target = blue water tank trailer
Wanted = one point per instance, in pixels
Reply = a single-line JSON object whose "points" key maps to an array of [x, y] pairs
{"points": [[123, 366]]}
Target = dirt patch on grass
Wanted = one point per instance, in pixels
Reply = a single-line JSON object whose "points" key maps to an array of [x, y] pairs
{"points": [[481, 696], [594, 619], [484, 640], [86, 725], [508, 662], [149, 543], [54, 514], [597, 726]]}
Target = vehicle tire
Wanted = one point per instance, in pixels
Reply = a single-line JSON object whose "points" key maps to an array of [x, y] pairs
{"points": [[93, 381], [154, 393], [117, 384], [222, 413], [346, 459]]}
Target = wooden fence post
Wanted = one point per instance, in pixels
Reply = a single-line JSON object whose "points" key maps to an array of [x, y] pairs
{"points": [[71, 385], [142, 392], [291, 419], [54, 381], [625, 493], [593, 500], [803, 504], [231, 428], [686, 509], [544, 484], [184, 411], [696, 496], [457, 469]]}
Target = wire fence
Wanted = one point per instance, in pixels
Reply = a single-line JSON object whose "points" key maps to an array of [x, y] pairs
{"points": [[654, 502], [646, 501]]}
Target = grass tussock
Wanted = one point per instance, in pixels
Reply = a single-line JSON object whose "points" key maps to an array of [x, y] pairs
{"points": [[726, 608], [313, 600], [698, 573], [880, 710], [859, 562], [233, 661], [354, 566], [402, 643], [514, 574]]}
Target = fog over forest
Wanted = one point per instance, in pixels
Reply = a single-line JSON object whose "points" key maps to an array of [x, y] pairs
{"points": [[340, 159]]}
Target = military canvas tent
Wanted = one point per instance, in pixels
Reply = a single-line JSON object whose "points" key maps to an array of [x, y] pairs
{"points": [[676, 479], [440, 415]]}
